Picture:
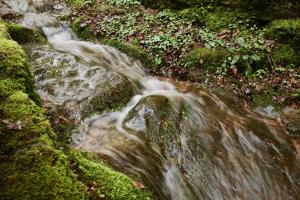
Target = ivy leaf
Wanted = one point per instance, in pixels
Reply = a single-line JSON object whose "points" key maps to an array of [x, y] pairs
{"points": [[255, 57]]}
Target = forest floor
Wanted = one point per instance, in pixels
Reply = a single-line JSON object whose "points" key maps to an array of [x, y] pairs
{"points": [[216, 47]]}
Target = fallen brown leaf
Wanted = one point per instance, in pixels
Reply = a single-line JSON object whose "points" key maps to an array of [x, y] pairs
{"points": [[138, 185], [13, 125]]}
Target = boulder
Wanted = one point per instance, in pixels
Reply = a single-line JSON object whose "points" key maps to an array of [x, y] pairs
{"points": [[156, 119]]}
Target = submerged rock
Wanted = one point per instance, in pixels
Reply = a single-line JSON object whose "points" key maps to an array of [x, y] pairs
{"points": [[115, 93], [158, 120], [24, 35], [214, 146]]}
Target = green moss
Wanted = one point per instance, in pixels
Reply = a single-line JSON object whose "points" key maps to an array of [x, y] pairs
{"points": [[283, 55], [159, 4], [286, 31], [33, 123], [40, 172], [14, 65], [162, 124], [12, 55], [207, 58], [8, 87], [132, 51], [77, 2], [3, 30], [296, 94], [265, 99], [37, 170], [24, 35], [116, 185], [20, 107], [225, 18], [34, 170], [85, 32], [193, 14], [109, 97]]}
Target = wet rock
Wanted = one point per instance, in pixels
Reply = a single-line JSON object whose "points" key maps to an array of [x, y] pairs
{"points": [[156, 119], [12, 9], [268, 111], [64, 80], [109, 95], [9, 14], [293, 127], [24, 35], [292, 120], [57, 7]]}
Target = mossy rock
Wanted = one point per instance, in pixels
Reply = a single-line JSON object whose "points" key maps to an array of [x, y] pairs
{"points": [[194, 14], [221, 18], [286, 31], [283, 54], [14, 64], [177, 4], [77, 2], [158, 119], [209, 59], [108, 96], [132, 51], [161, 4], [8, 87], [84, 32], [40, 172], [265, 100], [3, 30], [293, 125], [24, 35], [108, 184], [37, 170]]}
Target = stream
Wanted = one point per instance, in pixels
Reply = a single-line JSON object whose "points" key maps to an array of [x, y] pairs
{"points": [[185, 142]]}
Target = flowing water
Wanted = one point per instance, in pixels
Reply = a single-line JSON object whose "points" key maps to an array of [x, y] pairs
{"points": [[215, 149]]}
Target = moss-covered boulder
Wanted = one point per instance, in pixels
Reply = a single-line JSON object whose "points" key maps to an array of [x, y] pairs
{"points": [[108, 184], [156, 119], [34, 163], [77, 2], [293, 125], [81, 29], [109, 95], [205, 58], [14, 64], [3, 30], [24, 35], [286, 31], [160, 4], [283, 55], [35, 169]]}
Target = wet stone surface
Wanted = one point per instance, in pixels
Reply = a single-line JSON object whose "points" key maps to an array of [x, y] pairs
{"points": [[64, 80]]}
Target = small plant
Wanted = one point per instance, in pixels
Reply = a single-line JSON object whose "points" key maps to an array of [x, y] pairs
{"points": [[245, 48]]}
